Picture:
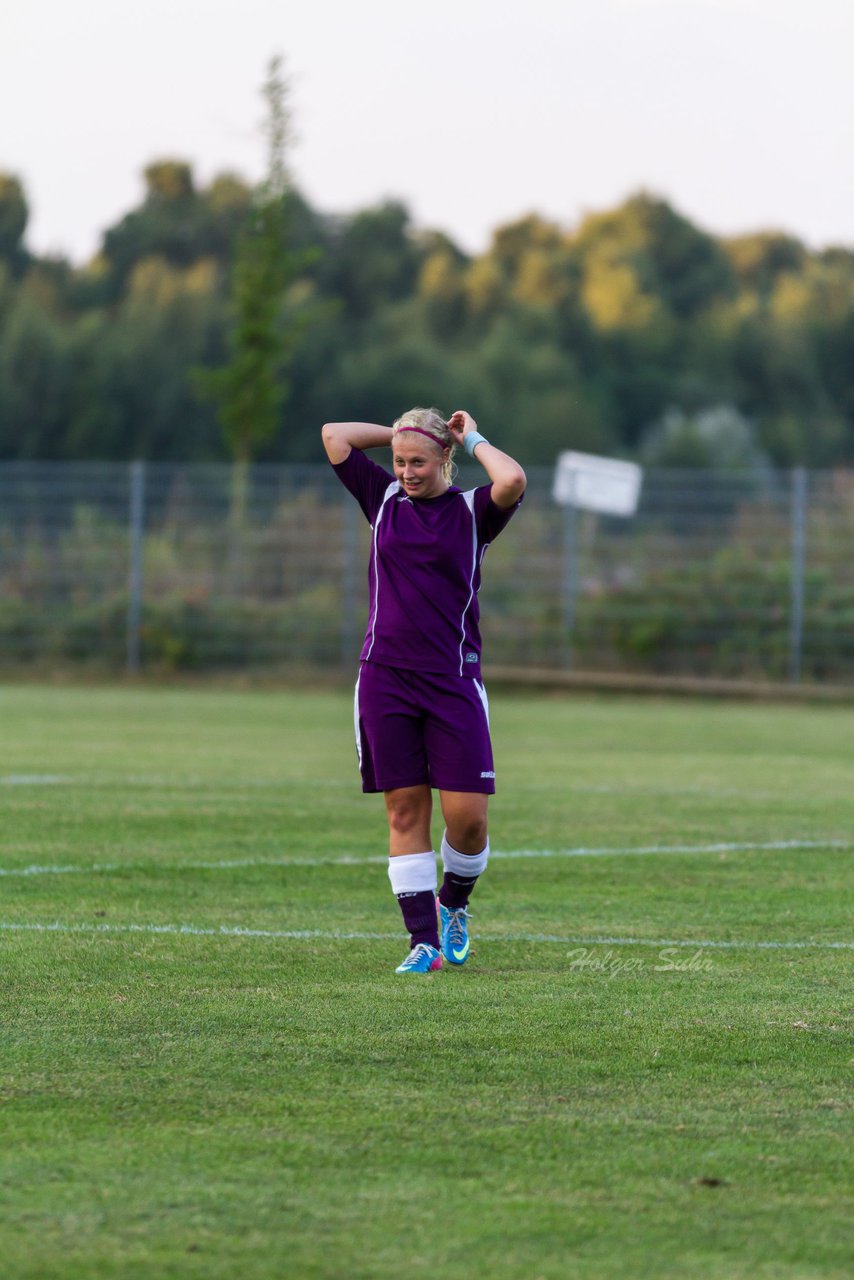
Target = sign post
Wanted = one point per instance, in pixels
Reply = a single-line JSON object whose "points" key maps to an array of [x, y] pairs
{"points": [[585, 482]]}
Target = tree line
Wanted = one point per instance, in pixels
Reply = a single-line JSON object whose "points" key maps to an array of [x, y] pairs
{"points": [[635, 333]]}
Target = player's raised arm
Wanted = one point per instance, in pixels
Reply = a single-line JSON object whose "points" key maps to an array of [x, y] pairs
{"points": [[508, 478], [340, 437]]}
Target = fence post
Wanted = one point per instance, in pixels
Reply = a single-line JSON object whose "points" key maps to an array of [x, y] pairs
{"points": [[799, 545], [135, 532], [570, 575], [349, 575]]}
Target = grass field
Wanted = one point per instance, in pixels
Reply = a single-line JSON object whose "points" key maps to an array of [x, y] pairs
{"points": [[209, 1068]]}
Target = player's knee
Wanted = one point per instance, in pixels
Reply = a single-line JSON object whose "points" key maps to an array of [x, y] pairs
{"points": [[467, 833], [405, 815]]}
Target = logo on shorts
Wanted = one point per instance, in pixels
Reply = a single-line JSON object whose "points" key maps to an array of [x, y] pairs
{"points": [[488, 774], [471, 657]]}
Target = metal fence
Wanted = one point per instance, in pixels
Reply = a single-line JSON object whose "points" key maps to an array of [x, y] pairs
{"points": [[169, 568]]}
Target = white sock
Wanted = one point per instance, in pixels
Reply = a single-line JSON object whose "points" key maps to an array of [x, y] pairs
{"points": [[464, 864], [413, 872]]}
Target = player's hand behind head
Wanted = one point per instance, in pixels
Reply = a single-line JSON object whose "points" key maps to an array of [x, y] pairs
{"points": [[460, 423]]}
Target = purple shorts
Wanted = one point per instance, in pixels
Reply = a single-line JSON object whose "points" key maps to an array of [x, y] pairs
{"points": [[414, 727]]}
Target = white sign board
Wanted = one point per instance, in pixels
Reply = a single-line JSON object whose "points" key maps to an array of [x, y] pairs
{"points": [[597, 484]]}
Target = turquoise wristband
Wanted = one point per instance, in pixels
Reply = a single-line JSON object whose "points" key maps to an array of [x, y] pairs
{"points": [[472, 440]]}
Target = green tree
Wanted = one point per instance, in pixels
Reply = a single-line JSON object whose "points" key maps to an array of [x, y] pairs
{"points": [[14, 213], [671, 259], [717, 439], [442, 292], [166, 224], [133, 395], [177, 222], [249, 391], [374, 262], [511, 242], [758, 260], [35, 378]]}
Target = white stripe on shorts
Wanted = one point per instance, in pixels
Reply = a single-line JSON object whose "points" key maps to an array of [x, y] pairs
{"points": [[481, 693], [356, 728]]}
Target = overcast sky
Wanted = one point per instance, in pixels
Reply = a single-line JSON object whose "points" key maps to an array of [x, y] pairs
{"points": [[471, 111]]}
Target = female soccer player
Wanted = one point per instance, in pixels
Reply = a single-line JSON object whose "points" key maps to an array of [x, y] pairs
{"points": [[422, 718]]}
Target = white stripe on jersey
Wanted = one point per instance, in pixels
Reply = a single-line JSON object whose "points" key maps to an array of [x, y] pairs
{"points": [[393, 488], [468, 498]]}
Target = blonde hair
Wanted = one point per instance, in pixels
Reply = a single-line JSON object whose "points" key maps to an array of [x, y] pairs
{"points": [[430, 423]]}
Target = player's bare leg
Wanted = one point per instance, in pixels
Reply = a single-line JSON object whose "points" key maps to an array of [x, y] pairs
{"points": [[465, 851], [465, 814], [409, 810], [412, 872]]}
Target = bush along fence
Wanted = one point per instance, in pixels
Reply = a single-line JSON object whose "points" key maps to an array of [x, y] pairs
{"points": [[162, 568]]}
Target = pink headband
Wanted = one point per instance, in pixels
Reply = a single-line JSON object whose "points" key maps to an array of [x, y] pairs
{"points": [[421, 432]]}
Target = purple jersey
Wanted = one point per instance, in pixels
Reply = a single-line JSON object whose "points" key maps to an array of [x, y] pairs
{"points": [[424, 571]]}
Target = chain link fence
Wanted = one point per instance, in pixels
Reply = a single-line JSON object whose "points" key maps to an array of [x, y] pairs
{"points": [[166, 568]]}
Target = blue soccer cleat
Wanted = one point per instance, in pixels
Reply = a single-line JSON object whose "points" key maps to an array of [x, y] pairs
{"points": [[421, 959], [454, 934]]}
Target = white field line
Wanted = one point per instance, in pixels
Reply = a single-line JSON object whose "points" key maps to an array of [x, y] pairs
{"points": [[174, 782], [335, 935], [32, 779], [348, 860]]}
